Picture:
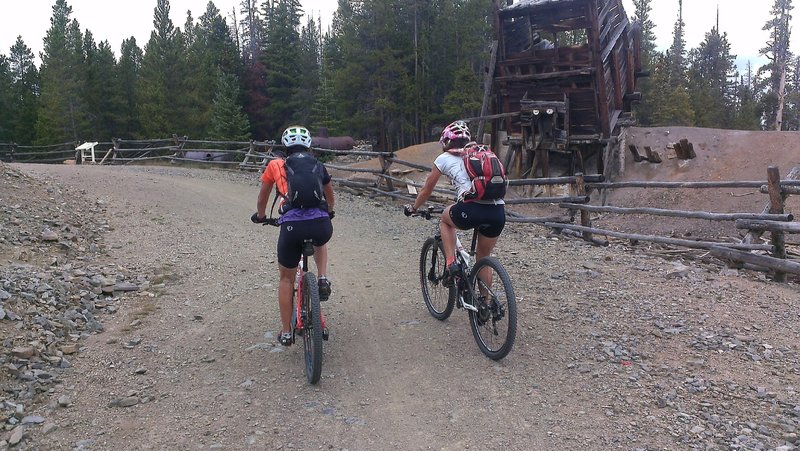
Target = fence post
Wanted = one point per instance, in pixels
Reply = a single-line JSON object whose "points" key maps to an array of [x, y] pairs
{"points": [[776, 206], [586, 220], [385, 164]]}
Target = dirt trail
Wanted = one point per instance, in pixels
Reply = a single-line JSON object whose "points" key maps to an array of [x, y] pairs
{"points": [[616, 348]]}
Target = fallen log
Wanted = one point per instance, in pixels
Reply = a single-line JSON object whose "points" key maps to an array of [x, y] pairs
{"points": [[794, 190], [657, 184], [662, 240], [680, 213], [547, 200], [779, 265], [595, 178], [772, 226]]}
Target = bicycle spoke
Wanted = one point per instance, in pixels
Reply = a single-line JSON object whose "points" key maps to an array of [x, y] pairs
{"points": [[438, 298], [311, 314], [494, 323]]}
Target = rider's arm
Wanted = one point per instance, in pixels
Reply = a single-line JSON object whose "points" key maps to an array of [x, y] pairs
{"points": [[427, 188], [328, 188], [263, 196]]}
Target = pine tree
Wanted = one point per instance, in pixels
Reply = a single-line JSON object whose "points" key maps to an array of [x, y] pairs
{"points": [[130, 62], [309, 65], [677, 52], [160, 87], [777, 51], [228, 121], [211, 48], [792, 111], [252, 31], [6, 101], [280, 58], [644, 109], [464, 99], [748, 113], [25, 91], [61, 115], [673, 105], [109, 101], [711, 67]]}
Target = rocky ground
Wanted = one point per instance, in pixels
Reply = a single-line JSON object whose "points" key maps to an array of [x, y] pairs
{"points": [[138, 312]]}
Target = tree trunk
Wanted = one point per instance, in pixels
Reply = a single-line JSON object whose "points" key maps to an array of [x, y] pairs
{"points": [[781, 98]]}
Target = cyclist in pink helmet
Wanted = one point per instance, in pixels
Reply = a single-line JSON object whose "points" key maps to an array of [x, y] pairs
{"points": [[488, 216]]}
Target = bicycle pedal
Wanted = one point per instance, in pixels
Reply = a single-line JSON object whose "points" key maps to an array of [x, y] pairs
{"points": [[325, 334]]}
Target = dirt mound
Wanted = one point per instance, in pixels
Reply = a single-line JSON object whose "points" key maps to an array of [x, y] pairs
{"points": [[722, 155]]}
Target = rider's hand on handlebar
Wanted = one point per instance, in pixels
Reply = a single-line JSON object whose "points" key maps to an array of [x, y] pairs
{"points": [[331, 214], [258, 220]]}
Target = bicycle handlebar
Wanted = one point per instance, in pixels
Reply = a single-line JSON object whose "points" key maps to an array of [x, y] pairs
{"points": [[423, 212], [264, 221]]}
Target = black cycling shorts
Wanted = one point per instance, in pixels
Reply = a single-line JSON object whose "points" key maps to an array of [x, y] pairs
{"points": [[290, 240], [488, 218]]}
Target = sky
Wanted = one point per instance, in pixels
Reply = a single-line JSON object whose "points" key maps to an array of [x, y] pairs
{"points": [[115, 20]]}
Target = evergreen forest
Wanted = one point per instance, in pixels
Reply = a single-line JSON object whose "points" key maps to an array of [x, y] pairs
{"points": [[385, 71]]}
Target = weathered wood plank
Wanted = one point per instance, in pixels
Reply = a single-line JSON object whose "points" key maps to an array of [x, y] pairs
{"points": [[786, 217], [663, 240], [777, 264]]}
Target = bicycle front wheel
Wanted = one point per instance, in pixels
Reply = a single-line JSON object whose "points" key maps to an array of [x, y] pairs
{"points": [[438, 298], [494, 325], [312, 328]]}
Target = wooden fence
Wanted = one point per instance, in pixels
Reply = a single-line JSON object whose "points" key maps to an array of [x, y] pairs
{"points": [[385, 181]]}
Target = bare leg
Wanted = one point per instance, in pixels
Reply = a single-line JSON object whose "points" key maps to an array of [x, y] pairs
{"points": [[484, 249], [321, 259], [285, 293], [448, 231]]}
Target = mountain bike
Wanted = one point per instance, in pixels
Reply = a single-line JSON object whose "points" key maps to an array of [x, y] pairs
{"points": [[307, 318], [483, 289]]}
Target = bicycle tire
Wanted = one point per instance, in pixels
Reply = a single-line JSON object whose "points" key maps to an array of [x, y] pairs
{"points": [[312, 328], [438, 298], [493, 342]]}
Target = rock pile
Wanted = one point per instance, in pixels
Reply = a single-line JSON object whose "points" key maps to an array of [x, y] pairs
{"points": [[54, 288]]}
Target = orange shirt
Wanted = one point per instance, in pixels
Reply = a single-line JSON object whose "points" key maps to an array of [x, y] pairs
{"points": [[275, 173]]}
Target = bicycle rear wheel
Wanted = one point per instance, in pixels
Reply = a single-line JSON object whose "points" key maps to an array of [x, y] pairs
{"points": [[312, 328], [494, 325], [438, 298]]}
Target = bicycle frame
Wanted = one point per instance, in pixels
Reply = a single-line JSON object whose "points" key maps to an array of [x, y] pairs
{"points": [[467, 260]]}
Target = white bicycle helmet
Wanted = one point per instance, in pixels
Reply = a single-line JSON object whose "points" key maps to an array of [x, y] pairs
{"points": [[457, 129], [296, 135]]}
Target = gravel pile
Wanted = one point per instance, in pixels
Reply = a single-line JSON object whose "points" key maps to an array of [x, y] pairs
{"points": [[54, 288]]}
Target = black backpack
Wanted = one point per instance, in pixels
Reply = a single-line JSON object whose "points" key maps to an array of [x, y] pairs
{"points": [[304, 176]]}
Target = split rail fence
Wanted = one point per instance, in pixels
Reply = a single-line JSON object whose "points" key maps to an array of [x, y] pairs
{"points": [[388, 181]]}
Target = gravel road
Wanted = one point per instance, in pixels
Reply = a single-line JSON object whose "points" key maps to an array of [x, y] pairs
{"points": [[617, 348]]}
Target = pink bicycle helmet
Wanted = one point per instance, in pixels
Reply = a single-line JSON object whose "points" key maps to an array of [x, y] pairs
{"points": [[457, 129]]}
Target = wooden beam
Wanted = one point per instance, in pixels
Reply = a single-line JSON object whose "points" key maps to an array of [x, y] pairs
{"points": [[753, 235], [547, 200], [776, 202], [681, 213], [658, 184], [772, 226], [487, 90], [777, 264], [663, 240]]}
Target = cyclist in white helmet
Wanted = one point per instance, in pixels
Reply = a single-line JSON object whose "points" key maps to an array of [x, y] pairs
{"points": [[304, 188], [487, 215]]}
